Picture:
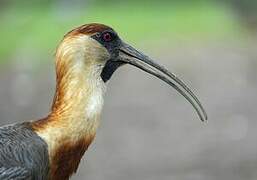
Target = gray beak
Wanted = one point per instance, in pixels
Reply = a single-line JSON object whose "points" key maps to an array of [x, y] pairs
{"points": [[128, 54]]}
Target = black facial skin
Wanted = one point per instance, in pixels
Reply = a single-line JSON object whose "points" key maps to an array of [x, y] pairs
{"points": [[109, 68], [110, 40]]}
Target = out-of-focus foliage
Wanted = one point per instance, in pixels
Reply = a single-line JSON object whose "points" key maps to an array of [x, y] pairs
{"points": [[247, 9], [28, 23]]}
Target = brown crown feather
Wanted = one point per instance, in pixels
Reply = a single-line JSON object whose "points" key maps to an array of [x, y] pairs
{"points": [[89, 29]]}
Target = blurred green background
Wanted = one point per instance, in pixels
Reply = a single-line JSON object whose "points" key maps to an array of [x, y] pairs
{"points": [[147, 131], [40, 24]]}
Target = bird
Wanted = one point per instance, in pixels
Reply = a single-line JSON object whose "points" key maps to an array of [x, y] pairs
{"points": [[51, 148]]}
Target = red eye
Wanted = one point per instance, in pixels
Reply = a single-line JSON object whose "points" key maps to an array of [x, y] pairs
{"points": [[107, 37]]}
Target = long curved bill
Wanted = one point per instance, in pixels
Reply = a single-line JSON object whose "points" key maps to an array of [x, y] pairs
{"points": [[131, 56]]}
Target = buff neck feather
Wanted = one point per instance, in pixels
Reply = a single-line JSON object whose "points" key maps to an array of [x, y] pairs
{"points": [[77, 105]]}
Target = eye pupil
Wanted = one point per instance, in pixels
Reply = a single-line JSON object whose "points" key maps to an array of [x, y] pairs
{"points": [[107, 37]]}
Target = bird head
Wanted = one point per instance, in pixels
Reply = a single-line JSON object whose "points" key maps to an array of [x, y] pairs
{"points": [[98, 48]]}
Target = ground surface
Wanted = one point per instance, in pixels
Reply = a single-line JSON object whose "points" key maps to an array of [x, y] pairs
{"points": [[147, 130]]}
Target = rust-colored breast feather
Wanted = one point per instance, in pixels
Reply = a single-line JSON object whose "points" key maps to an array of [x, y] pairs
{"points": [[67, 158]]}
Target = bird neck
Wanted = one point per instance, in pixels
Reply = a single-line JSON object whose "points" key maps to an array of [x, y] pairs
{"points": [[71, 125], [78, 98], [79, 94]]}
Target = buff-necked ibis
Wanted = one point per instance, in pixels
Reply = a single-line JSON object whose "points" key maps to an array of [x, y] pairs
{"points": [[51, 148]]}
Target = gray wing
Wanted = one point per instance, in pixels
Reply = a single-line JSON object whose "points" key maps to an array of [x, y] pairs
{"points": [[17, 173], [23, 154]]}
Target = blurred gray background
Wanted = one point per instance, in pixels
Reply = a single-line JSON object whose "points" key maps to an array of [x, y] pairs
{"points": [[147, 130]]}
